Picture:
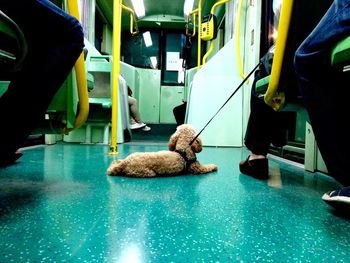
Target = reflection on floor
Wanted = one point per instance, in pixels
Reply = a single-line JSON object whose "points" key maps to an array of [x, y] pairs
{"points": [[57, 204]]}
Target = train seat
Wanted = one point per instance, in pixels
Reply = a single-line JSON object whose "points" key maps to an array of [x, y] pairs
{"points": [[298, 18], [13, 46], [280, 89], [97, 127], [340, 58], [13, 49], [90, 81]]}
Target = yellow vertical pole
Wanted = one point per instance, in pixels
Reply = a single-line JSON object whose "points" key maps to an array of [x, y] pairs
{"points": [[199, 53], [238, 39], [281, 43], [117, 8]]}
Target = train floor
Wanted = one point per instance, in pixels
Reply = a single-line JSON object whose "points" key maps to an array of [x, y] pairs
{"points": [[57, 204]]}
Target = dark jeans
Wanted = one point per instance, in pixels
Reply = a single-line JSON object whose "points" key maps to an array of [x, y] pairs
{"points": [[55, 41], [326, 90]]}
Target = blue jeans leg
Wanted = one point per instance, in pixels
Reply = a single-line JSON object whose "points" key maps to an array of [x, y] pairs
{"points": [[325, 89], [55, 41]]}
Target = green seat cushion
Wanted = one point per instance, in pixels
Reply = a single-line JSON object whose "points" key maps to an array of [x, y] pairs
{"points": [[90, 81], [105, 102], [262, 85], [341, 52]]}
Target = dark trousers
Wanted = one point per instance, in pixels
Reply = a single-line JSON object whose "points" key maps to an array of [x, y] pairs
{"points": [[179, 113], [265, 126], [55, 41], [326, 90]]}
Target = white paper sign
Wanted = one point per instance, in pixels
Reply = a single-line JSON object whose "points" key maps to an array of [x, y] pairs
{"points": [[172, 61]]}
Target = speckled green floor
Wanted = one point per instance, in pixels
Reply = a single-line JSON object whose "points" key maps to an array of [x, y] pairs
{"points": [[58, 205]]}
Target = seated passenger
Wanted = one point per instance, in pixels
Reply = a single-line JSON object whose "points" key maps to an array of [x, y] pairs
{"points": [[179, 113], [50, 57], [326, 97], [135, 122], [265, 127]]}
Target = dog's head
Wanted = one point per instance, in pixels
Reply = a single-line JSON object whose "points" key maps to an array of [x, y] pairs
{"points": [[180, 141]]}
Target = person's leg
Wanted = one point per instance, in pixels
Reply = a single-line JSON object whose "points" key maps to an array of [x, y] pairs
{"points": [[179, 113], [134, 111], [55, 41], [135, 115], [263, 126], [324, 91]]}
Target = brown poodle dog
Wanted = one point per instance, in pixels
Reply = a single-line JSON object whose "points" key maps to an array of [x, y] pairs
{"points": [[180, 159]]}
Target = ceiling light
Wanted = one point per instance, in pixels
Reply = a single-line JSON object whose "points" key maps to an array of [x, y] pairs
{"points": [[154, 62], [147, 38], [188, 7], [139, 7]]}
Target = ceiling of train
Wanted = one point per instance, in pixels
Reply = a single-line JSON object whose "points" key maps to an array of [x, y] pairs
{"points": [[159, 13]]}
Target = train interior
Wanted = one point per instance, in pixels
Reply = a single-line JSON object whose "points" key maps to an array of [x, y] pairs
{"points": [[57, 203]]}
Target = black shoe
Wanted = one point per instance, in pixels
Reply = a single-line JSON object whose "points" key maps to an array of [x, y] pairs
{"points": [[258, 168], [6, 160]]}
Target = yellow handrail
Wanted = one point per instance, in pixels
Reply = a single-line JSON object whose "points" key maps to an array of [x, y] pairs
{"points": [[199, 53], [80, 75], [272, 98], [211, 47], [132, 20], [238, 42], [117, 10]]}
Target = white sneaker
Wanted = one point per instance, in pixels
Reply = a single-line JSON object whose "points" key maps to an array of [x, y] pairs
{"points": [[146, 128], [136, 125]]}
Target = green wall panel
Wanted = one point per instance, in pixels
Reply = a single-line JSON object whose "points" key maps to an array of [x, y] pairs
{"points": [[170, 97], [148, 94]]}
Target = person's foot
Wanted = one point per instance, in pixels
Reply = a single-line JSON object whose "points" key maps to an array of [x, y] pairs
{"points": [[146, 128], [257, 168], [339, 199], [8, 159], [137, 125]]}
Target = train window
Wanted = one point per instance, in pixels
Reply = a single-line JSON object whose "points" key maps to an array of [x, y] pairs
{"points": [[141, 50], [271, 10], [173, 67], [274, 19]]}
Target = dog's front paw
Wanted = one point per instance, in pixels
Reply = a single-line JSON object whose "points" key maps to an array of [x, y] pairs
{"points": [[213, 167]]}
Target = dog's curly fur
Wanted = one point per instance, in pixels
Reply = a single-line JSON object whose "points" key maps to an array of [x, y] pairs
{"points": [[180, 159]]}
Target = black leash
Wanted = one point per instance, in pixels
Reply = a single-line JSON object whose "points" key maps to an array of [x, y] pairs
{"points": [[240, 85]]}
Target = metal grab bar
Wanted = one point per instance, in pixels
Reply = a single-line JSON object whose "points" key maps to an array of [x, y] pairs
{"points": [[132, 20], [9, 27], [81, 77]]}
